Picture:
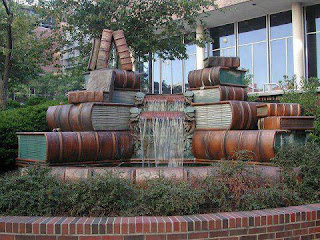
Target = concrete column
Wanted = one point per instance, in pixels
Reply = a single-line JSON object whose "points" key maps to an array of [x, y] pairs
{"points": [[200, 50], [298, 42], [133, 59]]}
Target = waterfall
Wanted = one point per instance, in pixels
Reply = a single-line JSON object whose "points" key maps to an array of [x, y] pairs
{"points": [[164, 106], [162, 138]]}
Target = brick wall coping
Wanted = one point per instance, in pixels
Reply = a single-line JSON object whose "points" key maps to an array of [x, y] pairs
{"points": [[301, 221]]}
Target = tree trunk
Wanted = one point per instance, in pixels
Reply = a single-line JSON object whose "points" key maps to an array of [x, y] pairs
{"points": [[7, 63]]}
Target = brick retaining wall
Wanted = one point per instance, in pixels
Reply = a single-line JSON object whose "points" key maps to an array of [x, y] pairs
{"points": [[299, 222]]}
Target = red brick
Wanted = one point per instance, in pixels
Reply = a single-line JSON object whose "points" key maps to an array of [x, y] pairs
{"points": [[266, 236], [132, 225], [221, 233], [45, 237], [229, 238], [112, 238], [201, 235], [300, 232], [307, 237], [124, 225], [292, 226], [146, 224], [116, 225], [307, 224], [236, 232], [90, 238], [24, 237], [6, 237], [153, 224], [275, 228], [314, 230], [257, 230], [176, 224], [252, 237], [161, 225], [67, 238], [283, 234], [156, 237], [138, 224], [177, 236]]}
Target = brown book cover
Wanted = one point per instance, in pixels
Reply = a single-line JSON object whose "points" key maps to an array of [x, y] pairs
{"points": [[122, 50], [279, 109], [287, 123], [105, 48], [259, 145], [226, 115], [89, 117], [88, 96], [64, 148], [216, 76], [94, 54], [219, 93], [230, 62], [101, 80]]}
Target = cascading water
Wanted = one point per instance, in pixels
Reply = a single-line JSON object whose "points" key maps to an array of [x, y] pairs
{"points": [[164, 106], [162, 137]]}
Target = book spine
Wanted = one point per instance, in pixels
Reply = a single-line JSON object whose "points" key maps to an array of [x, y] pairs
{"points": [[70, 117], [212, 77], [269, 123], [244, 115], [216, 145], [105, 48], [229, 62], [73, 147], [287, 123], [87, 96], [233, 93], [126, 79], [283, 109], [123, 50], [94, 54]]}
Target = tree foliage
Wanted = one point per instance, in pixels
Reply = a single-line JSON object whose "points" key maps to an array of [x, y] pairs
{"points": [[32, 49], [150, 26]]}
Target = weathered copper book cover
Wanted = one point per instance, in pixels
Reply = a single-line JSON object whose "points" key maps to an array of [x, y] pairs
{"points": [[101, 80], [75, 147], [126, 79], [94, 54], [279, 109], [89, 117], [258, 145], [219, 93], [287, 123], [232, 115], [105, 48], [123, 50], [88, 96], [230, 62], [216, 76]]}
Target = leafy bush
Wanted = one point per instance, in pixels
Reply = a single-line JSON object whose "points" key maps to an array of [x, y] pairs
{"points": [[305, 158], [13, 104], [29, 119], [235, 187], [32, 101]]}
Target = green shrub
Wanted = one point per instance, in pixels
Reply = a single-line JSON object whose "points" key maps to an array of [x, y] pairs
{"points": [[236, 187], [13, 104], [29, 119], [33, 194], [305, 158], [32, 101]]}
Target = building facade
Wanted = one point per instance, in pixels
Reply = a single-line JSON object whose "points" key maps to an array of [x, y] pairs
{"points": [[273, 39]]}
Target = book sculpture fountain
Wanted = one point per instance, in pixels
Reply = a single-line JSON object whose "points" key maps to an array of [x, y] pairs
{"points": [[113, 123]]}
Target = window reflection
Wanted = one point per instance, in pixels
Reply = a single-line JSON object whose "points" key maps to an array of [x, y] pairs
{"points": [[223, 36], [189, 65], [281, 25], [313, 40], [156, 75], [177, 76], [278, 60], [260, 67], [253, 30], [166, 76]]}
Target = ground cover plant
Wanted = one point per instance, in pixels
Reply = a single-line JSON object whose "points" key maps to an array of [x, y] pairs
{"points": [[236, 187]]}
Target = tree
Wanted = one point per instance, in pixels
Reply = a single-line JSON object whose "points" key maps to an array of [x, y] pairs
{"points": [[150, 26], [8, 54], [30, 48]]}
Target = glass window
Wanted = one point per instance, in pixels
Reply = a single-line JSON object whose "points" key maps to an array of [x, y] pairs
{"points": [[313, 18], [226, 52], [278, 60], [166, 76], [245, 55], [253, 30], [281, 25], [260, 66], [189, 65], [156, 75], [176, 76], [313, 41], [223, 36]]}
